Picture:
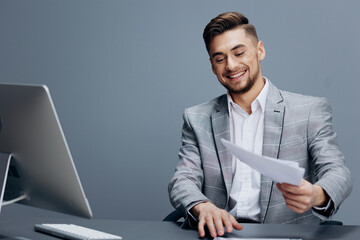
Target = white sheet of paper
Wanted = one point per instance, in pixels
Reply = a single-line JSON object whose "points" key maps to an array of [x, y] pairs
{"points": [[281, 171]]}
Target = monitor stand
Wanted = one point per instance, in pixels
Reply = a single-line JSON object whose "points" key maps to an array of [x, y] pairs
{"points": [[7, 170], [5, 159]]}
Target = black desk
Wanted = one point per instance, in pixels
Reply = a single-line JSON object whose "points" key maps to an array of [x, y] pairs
{"points": [[24, 226]]}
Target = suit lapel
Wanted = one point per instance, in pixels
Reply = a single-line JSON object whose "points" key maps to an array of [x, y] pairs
{"points": [[273, 125], [221, 129]]}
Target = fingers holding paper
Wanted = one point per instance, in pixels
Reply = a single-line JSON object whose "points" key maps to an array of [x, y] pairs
{"points": [[302, 198]]}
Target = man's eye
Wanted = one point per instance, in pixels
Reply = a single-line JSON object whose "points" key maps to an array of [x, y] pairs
{"points": [[219, 60], [239, 54]]}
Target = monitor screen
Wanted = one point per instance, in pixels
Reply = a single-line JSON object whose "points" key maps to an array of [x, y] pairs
{"points": [[41, 172]]}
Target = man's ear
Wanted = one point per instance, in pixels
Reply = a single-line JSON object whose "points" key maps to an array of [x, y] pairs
{"points": [[261, 50]]}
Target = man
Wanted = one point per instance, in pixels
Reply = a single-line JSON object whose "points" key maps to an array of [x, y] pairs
{"points": [[214, 189]]}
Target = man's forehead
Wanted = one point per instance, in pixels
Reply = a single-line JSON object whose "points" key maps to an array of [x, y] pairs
{"points": [[230, 39]]}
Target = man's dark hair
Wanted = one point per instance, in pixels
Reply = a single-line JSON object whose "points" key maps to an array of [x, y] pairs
{"points": [[225, 22]]}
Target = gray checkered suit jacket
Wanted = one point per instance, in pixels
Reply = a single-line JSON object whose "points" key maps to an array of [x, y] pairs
{"points": [[296, 128]]}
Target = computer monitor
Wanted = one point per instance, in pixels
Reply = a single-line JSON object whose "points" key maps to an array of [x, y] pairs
{"points": [[37, 167]]}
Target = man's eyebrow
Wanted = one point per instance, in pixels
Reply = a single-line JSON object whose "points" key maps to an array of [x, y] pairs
{"points": [[234, 48], [215, 54], [237, 46]]}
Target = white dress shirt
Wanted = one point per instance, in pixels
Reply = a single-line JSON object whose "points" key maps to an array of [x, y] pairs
{"points": [[247, 132]]}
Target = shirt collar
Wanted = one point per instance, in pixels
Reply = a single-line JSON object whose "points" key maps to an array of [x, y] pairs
{"points": [[261, 98]]}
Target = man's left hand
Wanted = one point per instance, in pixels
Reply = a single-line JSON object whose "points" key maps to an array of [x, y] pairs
{"points": [[302, 198]]}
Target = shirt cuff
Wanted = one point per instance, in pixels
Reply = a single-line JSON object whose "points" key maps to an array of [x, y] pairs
{"points": [[189, 207], [325, 211], [324, 208]]}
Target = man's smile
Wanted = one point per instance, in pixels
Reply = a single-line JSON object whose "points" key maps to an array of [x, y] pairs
{"points": [[236, 75]]}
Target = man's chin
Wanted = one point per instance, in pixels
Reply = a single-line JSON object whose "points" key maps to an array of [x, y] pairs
{"points": [[239, 90]]}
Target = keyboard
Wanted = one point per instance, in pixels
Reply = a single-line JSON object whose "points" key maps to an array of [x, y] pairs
{"points": [[74, 232]]}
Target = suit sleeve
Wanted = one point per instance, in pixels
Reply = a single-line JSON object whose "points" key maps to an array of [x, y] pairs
{"points": [[185, 187], [328, 161]]}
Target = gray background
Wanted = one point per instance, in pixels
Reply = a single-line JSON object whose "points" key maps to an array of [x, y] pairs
{"points": [[121, 73]]}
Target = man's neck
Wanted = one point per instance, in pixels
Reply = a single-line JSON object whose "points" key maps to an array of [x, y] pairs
{"points": [[244, 100]]}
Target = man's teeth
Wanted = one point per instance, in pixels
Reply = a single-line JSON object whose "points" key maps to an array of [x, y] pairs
{"points": [[237, 75]]}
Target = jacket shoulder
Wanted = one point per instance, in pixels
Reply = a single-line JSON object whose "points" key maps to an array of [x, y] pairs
{"points": [[208, 107], [296, 100]]}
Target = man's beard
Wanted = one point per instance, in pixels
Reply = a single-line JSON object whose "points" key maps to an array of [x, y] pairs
{"points": [[241, 90]]}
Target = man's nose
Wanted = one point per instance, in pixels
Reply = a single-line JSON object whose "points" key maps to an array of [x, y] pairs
{"points": [[230, 64]]}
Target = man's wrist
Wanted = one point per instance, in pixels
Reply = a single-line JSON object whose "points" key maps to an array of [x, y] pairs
{"points": [[195, 210], [321, 197]]}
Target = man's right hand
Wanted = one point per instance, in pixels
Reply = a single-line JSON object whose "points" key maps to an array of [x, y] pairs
{"points": [[214, 218]]}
